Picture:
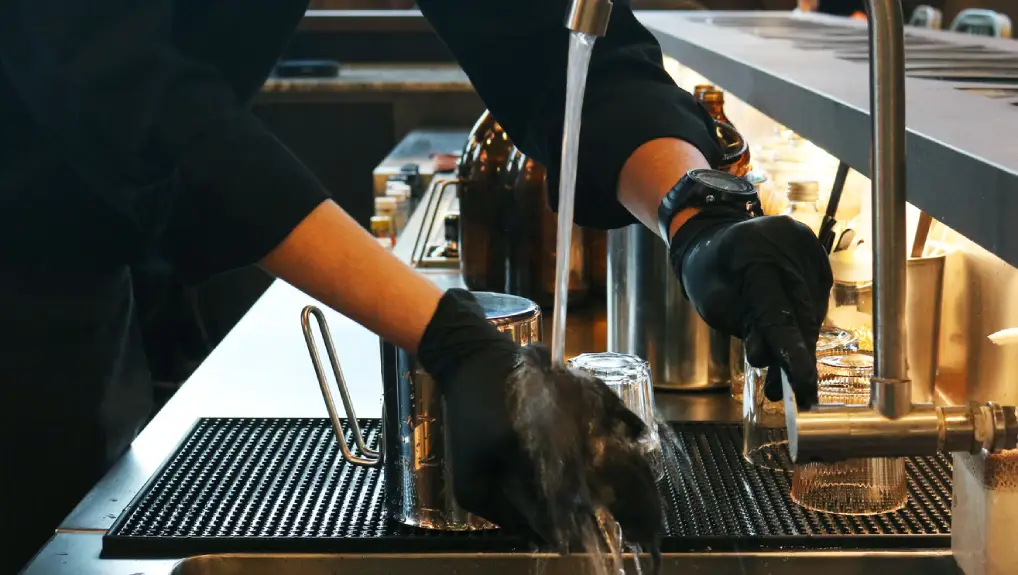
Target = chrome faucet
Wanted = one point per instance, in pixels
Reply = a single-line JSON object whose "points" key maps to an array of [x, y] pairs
{"points": [[891, 425], [589, 16]]}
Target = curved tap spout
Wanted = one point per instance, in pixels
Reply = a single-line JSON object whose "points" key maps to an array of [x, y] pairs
{"points": [[589, 16]]}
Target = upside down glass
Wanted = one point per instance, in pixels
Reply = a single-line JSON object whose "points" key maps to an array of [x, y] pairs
{"points": [[629, 377], [855, 486], [764, 437]]}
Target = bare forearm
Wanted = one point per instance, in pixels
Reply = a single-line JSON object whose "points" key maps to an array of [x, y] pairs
{"points": [[650, 172], [331, 258]]}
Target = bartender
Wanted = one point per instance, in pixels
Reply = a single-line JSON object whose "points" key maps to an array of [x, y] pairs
{"points": [[127, 138]]}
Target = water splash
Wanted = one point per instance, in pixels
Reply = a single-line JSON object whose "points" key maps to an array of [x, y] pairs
{"points": [[611, 532], [580, 47], [559, 451], [570, 428]]}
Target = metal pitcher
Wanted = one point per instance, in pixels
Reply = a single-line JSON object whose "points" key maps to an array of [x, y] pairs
{"points": [[648, 316], [418, 474]]}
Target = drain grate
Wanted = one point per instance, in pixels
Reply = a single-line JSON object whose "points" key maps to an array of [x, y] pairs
{"points": [[260, 485]]}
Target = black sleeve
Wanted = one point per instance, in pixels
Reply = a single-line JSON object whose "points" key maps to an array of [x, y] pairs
{"points": [[160, 136], [515, 53]]}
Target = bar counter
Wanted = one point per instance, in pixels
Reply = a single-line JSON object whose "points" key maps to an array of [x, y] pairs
{"points": [[262, 369]]}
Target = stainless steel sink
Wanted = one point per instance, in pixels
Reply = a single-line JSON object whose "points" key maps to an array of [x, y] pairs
{"points": [[828, 563]]}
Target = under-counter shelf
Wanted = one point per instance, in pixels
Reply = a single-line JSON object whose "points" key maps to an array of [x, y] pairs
{"points": [[809, 73]]}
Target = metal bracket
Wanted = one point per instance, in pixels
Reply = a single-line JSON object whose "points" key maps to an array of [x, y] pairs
{"points": [[371, 457]]}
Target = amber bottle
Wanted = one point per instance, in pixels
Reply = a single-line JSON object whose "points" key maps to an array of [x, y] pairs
{"points": [[483, 199], [699, 89], [713, 99], [736, 160], [532, 230]]}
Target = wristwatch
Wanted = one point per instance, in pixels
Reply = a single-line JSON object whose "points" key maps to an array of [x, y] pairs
{"points": [[704, 187]]}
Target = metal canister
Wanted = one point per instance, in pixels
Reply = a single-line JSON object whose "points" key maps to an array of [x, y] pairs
{"points": [[650, 317], [414, 452]]}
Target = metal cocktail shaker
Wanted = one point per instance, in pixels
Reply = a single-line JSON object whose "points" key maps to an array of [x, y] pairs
{"points": [[418, 477], [649, 317]]}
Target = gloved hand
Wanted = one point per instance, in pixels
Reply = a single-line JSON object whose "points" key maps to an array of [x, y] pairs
{"points": [[766, 280], [535, 448]]}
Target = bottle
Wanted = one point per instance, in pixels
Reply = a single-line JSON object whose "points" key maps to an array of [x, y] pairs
{"points": [[713, 100], [483, 201], [851, 300], [381, 228], [400, 192], [802, 203], [410, 174], [699, 90], [386, 207], [532, 233], [736, 160]]}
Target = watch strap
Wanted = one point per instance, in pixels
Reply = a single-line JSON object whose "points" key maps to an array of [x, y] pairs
{"points": [[674, 201]]}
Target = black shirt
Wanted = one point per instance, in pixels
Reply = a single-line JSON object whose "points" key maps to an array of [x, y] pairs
{"points": [[126, 128], [125, 135]]}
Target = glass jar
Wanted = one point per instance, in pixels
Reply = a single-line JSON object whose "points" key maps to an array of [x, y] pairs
{"points": [[764, 436], [803, 196], [856, 486], [851, 303]]}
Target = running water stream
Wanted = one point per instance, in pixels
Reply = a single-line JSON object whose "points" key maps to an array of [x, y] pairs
{"points": [[605, 545], [580, 47]]}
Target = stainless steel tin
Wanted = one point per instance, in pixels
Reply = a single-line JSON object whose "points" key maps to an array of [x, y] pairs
{"points": [[648, 316], [414, 450]]}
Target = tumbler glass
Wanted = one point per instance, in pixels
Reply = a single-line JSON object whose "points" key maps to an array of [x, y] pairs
{"points": [[856, 486], [629, 377], [764, 437]]}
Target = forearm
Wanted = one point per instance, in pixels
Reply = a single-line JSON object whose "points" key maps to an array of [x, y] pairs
{"points": [[650, 172], [332, 259]]}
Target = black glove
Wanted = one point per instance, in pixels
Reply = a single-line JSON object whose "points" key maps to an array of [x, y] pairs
{"points": [[766, 280], [534, 448]]}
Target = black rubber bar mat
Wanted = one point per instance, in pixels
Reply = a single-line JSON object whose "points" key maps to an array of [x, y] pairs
{"points": [[264, 485]]}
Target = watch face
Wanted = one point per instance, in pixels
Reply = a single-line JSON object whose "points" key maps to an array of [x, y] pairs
{"points": [[721, 181]]}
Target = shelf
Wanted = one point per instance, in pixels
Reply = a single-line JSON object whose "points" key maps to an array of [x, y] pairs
{"points": [[805, 72]]}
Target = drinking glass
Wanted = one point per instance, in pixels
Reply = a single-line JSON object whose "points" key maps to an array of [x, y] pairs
{"points": [[855, 486], [629, 377], [764, 436]]}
